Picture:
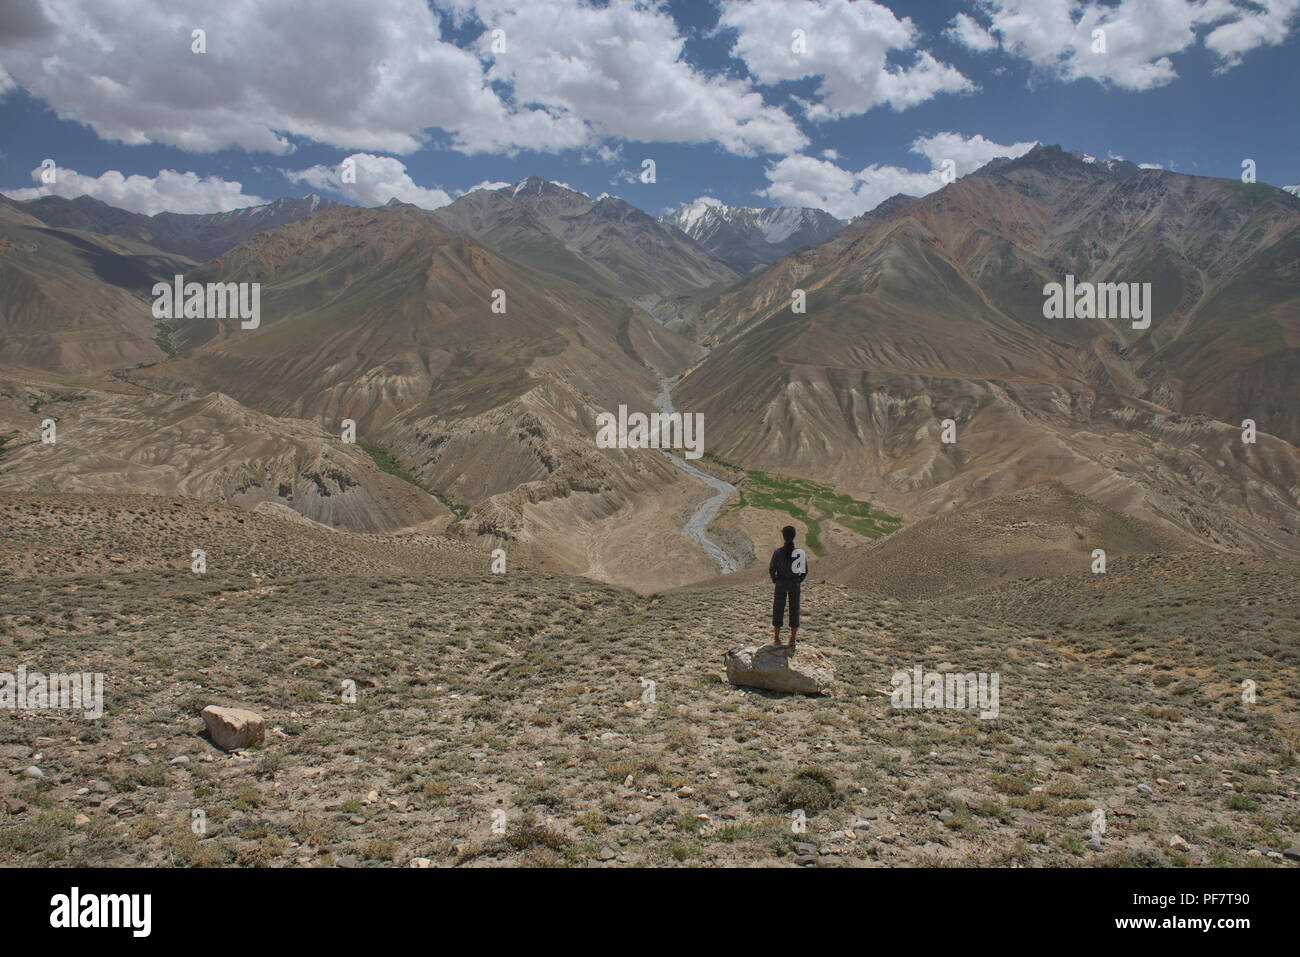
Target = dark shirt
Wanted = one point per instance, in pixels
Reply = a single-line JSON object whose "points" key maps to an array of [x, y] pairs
{"points": [[781, 568]]}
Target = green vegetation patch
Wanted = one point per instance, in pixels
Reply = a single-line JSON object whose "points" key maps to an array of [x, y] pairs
{"points": [[384, 459], [163, 339], [812, 503]]}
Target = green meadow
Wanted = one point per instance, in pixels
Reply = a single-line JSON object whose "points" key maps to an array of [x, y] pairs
{"points": [[813, 503]]}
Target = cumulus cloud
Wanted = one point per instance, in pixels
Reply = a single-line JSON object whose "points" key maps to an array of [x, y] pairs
{"points": [[379, 76], [964, 30], [1060, 37], [373, 181], [370, 76], [168, 191], [807, 181], [847, 45], [1265, 23], [968, 153], [620, 70]]}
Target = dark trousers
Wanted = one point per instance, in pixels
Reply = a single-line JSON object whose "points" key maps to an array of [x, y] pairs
{"points": [[778, 603]]}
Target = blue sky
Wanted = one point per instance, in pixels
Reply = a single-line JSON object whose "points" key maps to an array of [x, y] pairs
{"points": [[717, 94]]}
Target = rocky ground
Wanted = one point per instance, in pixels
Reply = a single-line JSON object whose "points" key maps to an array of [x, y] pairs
{"points": [[507, 720]]}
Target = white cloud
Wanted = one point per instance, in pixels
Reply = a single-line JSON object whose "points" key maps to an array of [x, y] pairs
{"points": [[1057, 36], [1266, 24], [486, 184], [847, 45], [965, 31], [806, 181], [370, 76], [169, 190], [619, 70], [968, 153], [378, 179], [379, 76]]}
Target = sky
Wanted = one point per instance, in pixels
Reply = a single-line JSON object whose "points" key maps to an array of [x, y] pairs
{"points": [[825, 103]]}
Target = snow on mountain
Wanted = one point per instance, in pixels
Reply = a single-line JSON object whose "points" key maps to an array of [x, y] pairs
{"points": [[745, 237]]}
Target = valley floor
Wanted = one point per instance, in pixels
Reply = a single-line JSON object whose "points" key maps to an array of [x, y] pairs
{"points": [[523, 694]]}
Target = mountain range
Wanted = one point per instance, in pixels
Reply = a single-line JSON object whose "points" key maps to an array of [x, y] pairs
{"points": [[474, 346], [745, 237]]}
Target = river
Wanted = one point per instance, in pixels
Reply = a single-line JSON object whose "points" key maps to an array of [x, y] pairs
{"points": [[696, 526]]}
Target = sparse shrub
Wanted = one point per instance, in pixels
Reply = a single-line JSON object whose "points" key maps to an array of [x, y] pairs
{"points": [[809, 789]]}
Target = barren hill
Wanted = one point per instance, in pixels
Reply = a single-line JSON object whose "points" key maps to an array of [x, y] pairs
{"points": [[1044, 531], [520, 699], [120, 438]]}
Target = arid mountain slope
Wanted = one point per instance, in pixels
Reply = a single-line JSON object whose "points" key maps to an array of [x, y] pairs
{"points": [[205, 446], [70, 301], [197, 236], [1044, 531], [606, 245], [935, 313], [386, 317]]}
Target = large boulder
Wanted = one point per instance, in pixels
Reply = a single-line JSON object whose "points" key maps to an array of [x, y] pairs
{"points": [[232, 728], [807, 671]]}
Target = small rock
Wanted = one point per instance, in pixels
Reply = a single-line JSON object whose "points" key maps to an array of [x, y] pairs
{"points": [[1292, 853], [607, 854], [419, 862], [34, 772], [627, 781], [685, 792], [140, 759], [808, 671], [346, 860], [182, 759], [1177, 841], [804, 860], [81, 820], [231, 728], [802, 848], [734, 795]]}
